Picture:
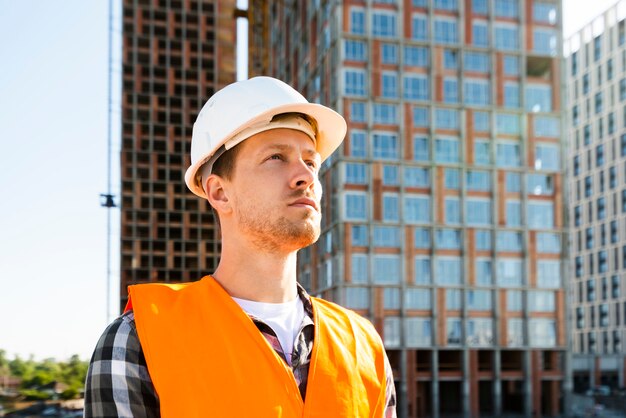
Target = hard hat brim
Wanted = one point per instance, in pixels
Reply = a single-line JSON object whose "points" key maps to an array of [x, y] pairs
{"points": [[331, 131]]}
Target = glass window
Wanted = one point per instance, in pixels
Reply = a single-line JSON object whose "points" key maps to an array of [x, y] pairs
{"points": [[355, 83], [422, 270], [448, 239], [357, 112], [478, 211], [544, 13], [515, 332], [548, 274], [355, 206], [513, 182], [483, 272], [506, 37], [479, 332], [389, 53], [479, 7], [514, 300], [356, 173], [477, 92], [416, 56], [389, 85], [391, 298], [547, 126], [446, 150], [357, 297], [538, 98], [386, 236], [541, 301], [450, 90], [418, 332], [420, 28], [384, 24], [386, 269], [483, 240], [509, 241], [416, 177], [450, 5], [481, 121], [454, 333], [547, 157], [480, 34], [540, 184], [446, 119], [354, 50], [416, 209], [479, 300], [417, 299], [508, 154], [450, 59], [448, 270], [359, 235], [452, 178], [511, 65], [507, 124], [452, 210], [481, 152], [385, 113], [544, 41], [454, 299], [421, 149], [509, 272], [420, 117], [385, 146], [416, 87], [391, 175], [446, 31], [476, 62], [391, 212], [511, 94], [391, 331], [540, 214], [421, 237], [513, 213], [548, 243], [478, 180], [506, 8], [542, 332], [359, 268], [358, 147], [357, 21]]}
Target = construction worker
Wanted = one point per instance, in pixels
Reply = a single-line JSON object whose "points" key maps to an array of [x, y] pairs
{"points": [[247, 341]]}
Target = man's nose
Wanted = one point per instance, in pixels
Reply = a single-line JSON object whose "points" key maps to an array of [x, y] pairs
{"points": [[304, 175]]}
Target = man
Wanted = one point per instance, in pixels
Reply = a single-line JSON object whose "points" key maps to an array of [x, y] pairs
{"points": [[247, 341]]}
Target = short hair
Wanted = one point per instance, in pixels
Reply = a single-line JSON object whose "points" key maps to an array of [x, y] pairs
{"points": [[224, 166]]}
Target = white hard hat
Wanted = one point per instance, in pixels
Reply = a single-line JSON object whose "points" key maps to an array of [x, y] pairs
{"points": [[249, 105]]}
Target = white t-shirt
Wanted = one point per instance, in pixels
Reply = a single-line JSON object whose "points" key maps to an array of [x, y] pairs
{"points": [[284, 319]]}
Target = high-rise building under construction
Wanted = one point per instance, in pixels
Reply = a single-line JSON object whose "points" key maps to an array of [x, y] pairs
{"points": [[176, 53], [443, 214]]}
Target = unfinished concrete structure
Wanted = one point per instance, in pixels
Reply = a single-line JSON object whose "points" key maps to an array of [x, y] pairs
{"points": [[176, 53]]}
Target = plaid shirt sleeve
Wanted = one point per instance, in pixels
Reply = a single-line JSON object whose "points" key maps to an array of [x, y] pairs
{"points": [[118, 383]]}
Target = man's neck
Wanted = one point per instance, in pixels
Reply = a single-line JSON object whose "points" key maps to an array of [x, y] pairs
{"points": [[258, 276]]}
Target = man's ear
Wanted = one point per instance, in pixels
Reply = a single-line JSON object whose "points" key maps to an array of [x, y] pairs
{"points": [[215, 188]]}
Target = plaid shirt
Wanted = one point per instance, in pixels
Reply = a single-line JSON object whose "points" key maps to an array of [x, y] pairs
{"points": [[118, 383]]}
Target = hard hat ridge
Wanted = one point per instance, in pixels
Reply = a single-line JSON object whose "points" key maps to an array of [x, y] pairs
{"points": [[251, 103]]}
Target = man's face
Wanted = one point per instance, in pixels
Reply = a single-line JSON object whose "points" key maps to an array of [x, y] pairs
{"points": [[275, 190]]}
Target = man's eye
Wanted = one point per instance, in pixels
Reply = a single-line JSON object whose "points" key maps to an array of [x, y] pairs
{"points": [[276, 157]]}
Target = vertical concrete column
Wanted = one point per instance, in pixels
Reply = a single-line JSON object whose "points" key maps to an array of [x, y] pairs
{"points": [[406, 372], [435, 383], [497, 383], [528, 384], [620, 372]]}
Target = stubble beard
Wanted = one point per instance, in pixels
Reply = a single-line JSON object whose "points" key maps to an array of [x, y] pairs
{"points": [[279, 234]]}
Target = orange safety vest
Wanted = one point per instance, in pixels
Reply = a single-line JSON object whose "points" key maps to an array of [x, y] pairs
{"points": [[206, 358]]}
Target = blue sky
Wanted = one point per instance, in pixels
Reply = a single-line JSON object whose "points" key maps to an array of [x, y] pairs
{"points": [[53, 131]]}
